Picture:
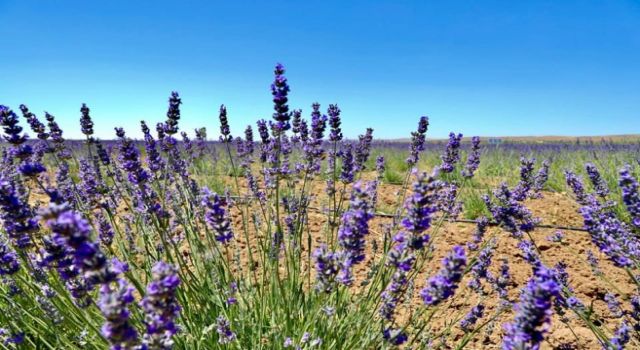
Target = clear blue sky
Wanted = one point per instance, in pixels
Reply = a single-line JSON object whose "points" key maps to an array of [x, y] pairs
{"points": [[478, 67]]}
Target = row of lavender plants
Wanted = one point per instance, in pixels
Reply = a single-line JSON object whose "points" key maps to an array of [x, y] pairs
{"points": [[122, 246]]}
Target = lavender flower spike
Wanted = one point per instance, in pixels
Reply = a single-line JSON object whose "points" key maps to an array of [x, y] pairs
{"points": [[173, 114], [326, 263], [334, 122], [226, 335], [280, 90], [451, 154], [630, 194], [599, 184], [473, 160], [533, 312], [444, 284], [16, 215], [86, 124], [354, 227], [420, 206], [9, 263], [417, 141], [216, 216], [161, 307], [225, 131], [113, 304]]}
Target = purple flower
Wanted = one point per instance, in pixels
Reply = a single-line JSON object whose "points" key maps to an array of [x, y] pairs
{"points": [[56, 137], [13, 131], [334, 122], [509, 213], [36, 125], [613, 304], [327, 267], [280, 90], [363, 149], [443, 285], [354, 228], [216, 216], [223, 327], [478, 234], [113, 304], [59, 255], [503, 280], [31, 168], [420, 206], [524, 186], [597, 181], [347, 174], [473, 160], [557, 237], [533, 312], [248, 146], [447, 201], [173, 114], [540, 179], [394, 291], [318, 123], [312, 146], [154, 160], [91, 186], [610, 235], [380, 167], [103, 155], [394, 336], [161, 131], [479, 270], [16, 215], [451, 153], [472, 317], [9, 263], [630, 194], [417, 141], [7, 337], [87, 256], [201, 140], [160, 306], [105, 231], [576, 185], [225, 131], [530, 254], [593, 262], [130, 160], [86, 124], [401, 257], [635, 311], [620, 338]]}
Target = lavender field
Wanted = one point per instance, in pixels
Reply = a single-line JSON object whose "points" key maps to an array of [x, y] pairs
{"points": [[284, 234]]}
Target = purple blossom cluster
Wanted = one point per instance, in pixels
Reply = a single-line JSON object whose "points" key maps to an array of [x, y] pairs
{"points": [[451, 154], [508, 211], [473, 159], [533, 312], [113, 304], [216, 216], [354, 225], [442, 286], [16, 215], [280, 90], [418, 141], [600, 186], [161, 308], [630, 194]]}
